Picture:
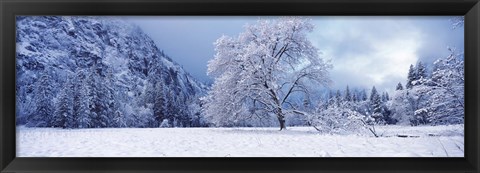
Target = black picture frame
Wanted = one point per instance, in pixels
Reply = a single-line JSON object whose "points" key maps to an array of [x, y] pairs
{"points": [[10, 8]]}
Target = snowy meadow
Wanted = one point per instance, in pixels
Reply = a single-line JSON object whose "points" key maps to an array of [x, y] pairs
{"points": [[276, 87], [424, 141]]}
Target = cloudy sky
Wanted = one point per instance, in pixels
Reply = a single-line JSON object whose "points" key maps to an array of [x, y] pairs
{"points": [[364, 50]]}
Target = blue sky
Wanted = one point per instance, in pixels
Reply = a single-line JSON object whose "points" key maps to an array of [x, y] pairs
{"points": [[364, 50]]}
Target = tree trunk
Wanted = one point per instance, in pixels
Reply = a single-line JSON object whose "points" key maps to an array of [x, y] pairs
{"points": [[281, 119], [279, 112]]}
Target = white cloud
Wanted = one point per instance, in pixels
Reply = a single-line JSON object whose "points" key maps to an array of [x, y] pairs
{"points": [[367, 52]]}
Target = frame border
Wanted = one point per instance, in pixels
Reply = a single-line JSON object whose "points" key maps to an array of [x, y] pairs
{"points": [[10, 8]]}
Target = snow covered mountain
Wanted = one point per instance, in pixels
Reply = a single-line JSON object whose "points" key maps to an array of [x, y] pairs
{"points": [[128, 81]]}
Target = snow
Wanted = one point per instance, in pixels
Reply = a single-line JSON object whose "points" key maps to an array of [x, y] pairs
{"points": [[425, 141]]}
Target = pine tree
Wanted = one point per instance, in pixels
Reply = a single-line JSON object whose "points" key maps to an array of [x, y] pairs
{"points": [[159, 104], [44, 101], [399, 86], [150, 94], [363, 95], [93, 98], [100, 96], [64, 110], [348, 95], [338, 98], [420, 74], [402, 107], [410, 77], [82, 101], [331, 98], [354, 97], [182, 115], [110, 87], [170, 110], [376, 105], [383, 97], [119, 119]]}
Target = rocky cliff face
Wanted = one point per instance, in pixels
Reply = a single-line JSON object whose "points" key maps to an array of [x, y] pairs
{"points": [[141, 83]]}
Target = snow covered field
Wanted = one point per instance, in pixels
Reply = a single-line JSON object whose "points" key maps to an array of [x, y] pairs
{"points": [[426, 141]]}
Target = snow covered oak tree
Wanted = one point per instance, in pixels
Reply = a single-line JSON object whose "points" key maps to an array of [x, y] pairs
{"points": [[258, 72]]}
